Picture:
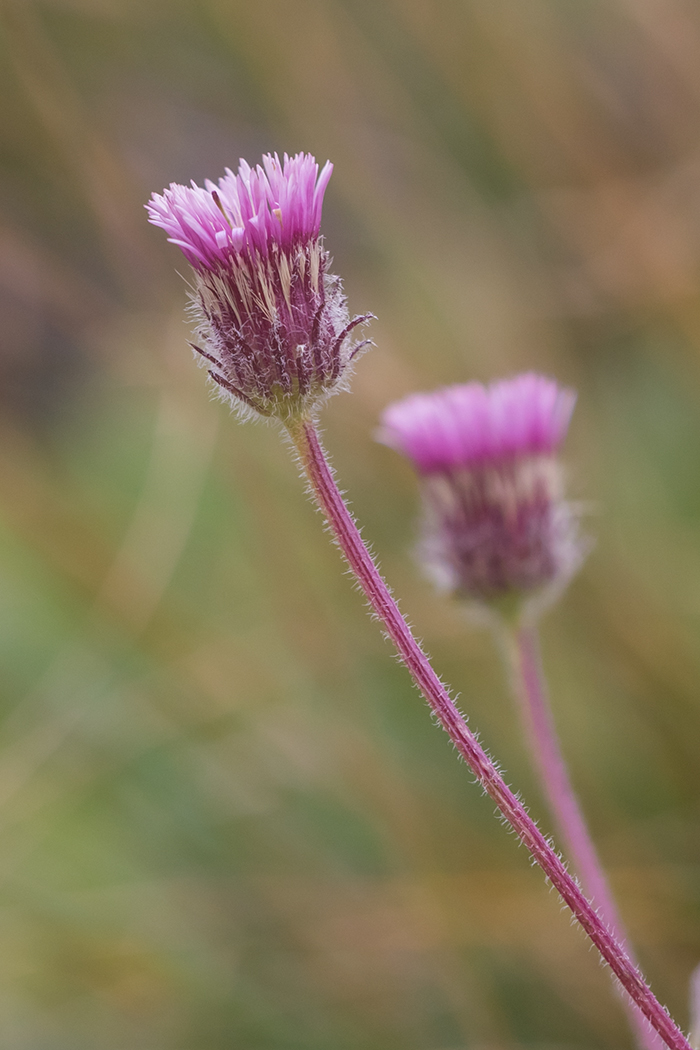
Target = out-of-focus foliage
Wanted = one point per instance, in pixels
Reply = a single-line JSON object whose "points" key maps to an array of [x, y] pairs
{"points": [[225, 817]]}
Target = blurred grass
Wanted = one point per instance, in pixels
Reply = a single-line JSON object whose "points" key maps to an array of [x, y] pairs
{"points": [[225, 818]]}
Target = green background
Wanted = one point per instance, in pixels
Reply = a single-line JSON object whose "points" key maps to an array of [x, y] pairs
{"points": [[226, 820]]}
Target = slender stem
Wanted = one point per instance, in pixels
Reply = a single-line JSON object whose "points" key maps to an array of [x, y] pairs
{"points": [[306, 441], [529, 686], [695, 1008]]}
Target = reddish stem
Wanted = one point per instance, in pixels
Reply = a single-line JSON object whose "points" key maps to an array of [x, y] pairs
{"points": [[695, 1008], [528, 681], [323, 486]]}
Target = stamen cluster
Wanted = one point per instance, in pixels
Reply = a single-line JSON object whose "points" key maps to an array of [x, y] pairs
{"points": [[496, 526], [272, 319]]}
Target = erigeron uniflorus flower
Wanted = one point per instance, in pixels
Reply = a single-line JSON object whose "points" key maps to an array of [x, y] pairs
{"points": [[272, 320], [496, 526]]}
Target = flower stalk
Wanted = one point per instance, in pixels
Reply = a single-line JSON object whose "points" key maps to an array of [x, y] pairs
{"points": [[695, 1008], [520, 644], [315, 466]]}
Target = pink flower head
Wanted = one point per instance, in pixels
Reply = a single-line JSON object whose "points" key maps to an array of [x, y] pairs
{"points": [[273, 319], [470, 424], [496, 527]]}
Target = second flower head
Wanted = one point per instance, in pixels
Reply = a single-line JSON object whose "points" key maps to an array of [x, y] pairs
{"points": [[496, 526]]}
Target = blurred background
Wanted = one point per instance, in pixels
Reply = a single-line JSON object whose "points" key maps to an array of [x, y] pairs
{"points": [[226, 820]]}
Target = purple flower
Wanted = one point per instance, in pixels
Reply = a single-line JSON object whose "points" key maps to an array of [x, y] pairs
{"points": [[273, 320], [496, 526]]}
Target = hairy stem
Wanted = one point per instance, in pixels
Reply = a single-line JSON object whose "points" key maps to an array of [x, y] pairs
{"points": [[695, 1008], [315, 465], [522, 652]]}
